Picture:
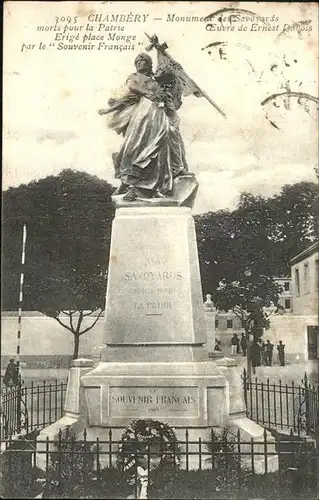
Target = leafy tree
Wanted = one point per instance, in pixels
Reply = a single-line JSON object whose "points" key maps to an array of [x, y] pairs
{"points": [[241, 252], [68, 220], [293, 222], [71, 300], [250, 299], [261, 234]]}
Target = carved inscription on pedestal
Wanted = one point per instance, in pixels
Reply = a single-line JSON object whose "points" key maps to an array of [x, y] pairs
{"points": [[153, 402]]}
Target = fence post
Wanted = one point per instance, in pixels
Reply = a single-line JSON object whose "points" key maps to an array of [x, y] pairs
{"points": [[186, 449], [268, 401], [174, 454], [239, 458], [31, 410], [245, 387], [265, 451], [213, 449], [19, 404], [148, 452], [307, 405], [225, 449], [47, 444], [293, 405], [200, 452], [135, 464], [256, 398], [252, 455], [110, 448], [59, 452], [98, 467], [280, 403]]}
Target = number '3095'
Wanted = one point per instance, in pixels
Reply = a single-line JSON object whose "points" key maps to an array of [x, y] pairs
{"points": [[68, 19]]}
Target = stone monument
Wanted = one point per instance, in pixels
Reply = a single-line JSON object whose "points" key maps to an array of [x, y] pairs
{"points": [[154, 363]]}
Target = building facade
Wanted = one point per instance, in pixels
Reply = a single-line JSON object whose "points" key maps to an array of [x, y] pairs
{"points": [[305, 289], [305, 283]]}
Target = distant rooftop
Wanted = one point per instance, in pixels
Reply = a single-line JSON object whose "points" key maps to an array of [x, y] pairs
{"points": [[305, 253]]}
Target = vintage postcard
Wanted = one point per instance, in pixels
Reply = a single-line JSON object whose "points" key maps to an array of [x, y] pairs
{"points": [[160, 250]]}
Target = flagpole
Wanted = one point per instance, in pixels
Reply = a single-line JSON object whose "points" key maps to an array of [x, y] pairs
{"points": [[196, 90], [24, 239]]}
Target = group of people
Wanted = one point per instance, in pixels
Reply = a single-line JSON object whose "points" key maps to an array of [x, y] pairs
{"points": [[260, 352], [239, 344]]}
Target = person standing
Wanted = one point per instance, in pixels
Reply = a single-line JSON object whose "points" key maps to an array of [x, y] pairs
{"points": [[238, 344], [269, 353], [259, 351], [217, 345], [281, 353], [234, 343], [11, 376], [263, 353], [243, 343], [255, 355]]}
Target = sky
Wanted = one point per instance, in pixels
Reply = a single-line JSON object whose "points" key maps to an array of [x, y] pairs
{"points": [[51, 97]]}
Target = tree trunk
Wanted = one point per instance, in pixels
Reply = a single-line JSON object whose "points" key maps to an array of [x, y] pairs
{"points": [[249, 361], [76, 345], [77, 336], [248, 355]]}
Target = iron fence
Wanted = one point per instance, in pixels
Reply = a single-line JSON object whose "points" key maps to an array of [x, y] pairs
{"points": [[273, 405], [75, 468], [278, 405], [27, 408]]}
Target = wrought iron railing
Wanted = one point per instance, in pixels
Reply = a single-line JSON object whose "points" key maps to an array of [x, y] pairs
{"points": [[80, 467], [30, 407], [282, 406]]}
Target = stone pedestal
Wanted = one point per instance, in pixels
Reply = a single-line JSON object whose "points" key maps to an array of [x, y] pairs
{"points": [[154, 290], [181, 394], [154, 364]]}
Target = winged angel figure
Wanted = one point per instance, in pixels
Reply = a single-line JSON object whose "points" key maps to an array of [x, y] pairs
{"points": [[152, 155]]}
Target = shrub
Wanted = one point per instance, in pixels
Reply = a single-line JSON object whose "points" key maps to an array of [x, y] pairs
{"points": [[111, 484], [17, 472], [222, 447], [70, 468]]}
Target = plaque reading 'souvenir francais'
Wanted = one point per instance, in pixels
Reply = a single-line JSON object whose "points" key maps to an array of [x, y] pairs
{"points": [[153, 401]]}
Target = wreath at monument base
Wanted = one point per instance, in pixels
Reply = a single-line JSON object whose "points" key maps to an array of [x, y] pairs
{"points": [[147, 444]]}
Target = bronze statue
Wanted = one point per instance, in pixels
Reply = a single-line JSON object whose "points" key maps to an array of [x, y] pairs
{"points": [[152, 155]]}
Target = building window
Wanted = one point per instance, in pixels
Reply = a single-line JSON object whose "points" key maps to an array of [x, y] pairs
{"points": [[316, 274], [297, 281], [216, 323], [287, 286], [306, 277], [243, 323], [229, 323], [287, 303]]}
